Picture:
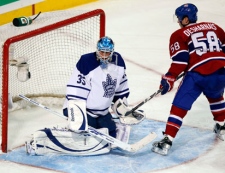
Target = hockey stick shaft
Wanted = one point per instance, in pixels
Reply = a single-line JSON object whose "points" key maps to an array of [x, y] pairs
{"points": [[150, 97], [94, 132]]}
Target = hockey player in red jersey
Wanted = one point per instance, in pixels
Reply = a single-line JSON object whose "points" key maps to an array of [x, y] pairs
{"points": [[198, 49]]}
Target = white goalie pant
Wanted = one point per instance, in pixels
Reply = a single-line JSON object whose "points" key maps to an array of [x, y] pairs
{"points": [[64, 141]]}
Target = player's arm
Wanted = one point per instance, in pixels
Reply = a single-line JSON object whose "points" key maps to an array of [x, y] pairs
{"points": [[221, 36], [77, 91], [123, 90], [180, 57], [179, 53]]}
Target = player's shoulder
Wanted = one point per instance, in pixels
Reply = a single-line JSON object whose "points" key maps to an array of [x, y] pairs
{"points": [[195, 27], [207, 26], [88, 56], [87, 63], [177, 34], [117, 59]]}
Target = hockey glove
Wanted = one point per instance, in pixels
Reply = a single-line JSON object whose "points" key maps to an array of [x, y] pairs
{"points": [[167, 83], [120, 108], [133, 118], [77, 118]]}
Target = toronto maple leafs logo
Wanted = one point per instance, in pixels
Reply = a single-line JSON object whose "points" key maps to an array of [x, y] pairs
{"points": [[109, 86]]}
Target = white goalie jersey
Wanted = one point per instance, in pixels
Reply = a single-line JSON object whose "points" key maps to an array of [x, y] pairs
{"points": [[98, 87]]}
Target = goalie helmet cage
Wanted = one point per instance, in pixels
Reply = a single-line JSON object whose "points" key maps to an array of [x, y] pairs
{"points": [[52, 44]]}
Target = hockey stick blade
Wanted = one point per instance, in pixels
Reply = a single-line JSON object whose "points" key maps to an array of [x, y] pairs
{"points": [[150, 97], [94, 132], [143, 142]]}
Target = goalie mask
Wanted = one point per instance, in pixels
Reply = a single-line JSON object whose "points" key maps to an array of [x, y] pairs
{"points": [[105, 49]]}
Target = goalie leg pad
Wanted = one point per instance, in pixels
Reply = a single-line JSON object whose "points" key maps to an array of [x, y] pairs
{"points": [[66, 142], [123, 132]]}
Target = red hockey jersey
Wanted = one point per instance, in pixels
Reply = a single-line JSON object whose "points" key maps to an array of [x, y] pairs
{"points": [[197, 47]]}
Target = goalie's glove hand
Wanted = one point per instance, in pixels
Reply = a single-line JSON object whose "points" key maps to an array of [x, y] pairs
{"points": [[167, 83], [138, 114], [120, 107], [123, 111], [133, 118]]}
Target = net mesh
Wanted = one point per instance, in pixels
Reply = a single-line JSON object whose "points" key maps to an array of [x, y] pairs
{"points": [[51, 55]]}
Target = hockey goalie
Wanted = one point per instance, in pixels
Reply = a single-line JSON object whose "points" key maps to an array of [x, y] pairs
{"points": [[97, 83]]}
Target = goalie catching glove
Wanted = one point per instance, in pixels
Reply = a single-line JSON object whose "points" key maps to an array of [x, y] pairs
{"points": [[123, 111]]}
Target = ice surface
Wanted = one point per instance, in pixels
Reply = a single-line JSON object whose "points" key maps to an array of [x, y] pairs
{"points": [[141, 31]]}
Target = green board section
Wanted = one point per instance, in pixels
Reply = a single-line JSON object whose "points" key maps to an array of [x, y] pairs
{"points": [[4, 2]]}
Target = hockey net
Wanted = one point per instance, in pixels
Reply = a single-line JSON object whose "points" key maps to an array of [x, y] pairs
{"points": [[52, 44]]}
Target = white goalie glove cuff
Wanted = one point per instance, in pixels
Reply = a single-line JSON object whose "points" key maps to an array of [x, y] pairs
{"points": [[77, 118], [120, 107], [133, 118], [23, 73]]}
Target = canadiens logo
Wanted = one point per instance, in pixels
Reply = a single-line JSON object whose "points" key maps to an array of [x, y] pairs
{"points": [[109, 86]]}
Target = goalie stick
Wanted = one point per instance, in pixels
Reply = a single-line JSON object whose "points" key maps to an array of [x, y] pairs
{"points": [[94, 132], [149, 98]]}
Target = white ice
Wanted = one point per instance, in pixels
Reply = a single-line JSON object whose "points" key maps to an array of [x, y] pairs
{"points": [[141, 31]]}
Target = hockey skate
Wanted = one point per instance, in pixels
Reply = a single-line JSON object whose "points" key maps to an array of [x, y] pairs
{"points": [[162, 147], [28, 147], [220, 131]]}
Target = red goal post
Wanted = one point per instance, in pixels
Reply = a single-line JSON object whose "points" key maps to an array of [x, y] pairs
{"points": [[52, 44]]}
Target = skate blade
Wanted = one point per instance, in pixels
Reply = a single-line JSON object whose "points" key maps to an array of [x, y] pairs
{"points": [[160, 151], [220, 136]]}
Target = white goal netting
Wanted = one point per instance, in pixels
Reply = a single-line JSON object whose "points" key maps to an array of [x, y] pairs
{"points": [[52, 44]]}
